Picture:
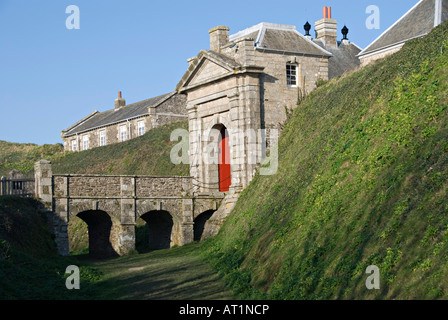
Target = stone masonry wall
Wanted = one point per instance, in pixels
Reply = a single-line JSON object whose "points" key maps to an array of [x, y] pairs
{"points": [[275, 93], [93, 186]]}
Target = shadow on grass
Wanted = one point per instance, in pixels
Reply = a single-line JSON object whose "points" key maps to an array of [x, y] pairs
{"points": [[172, 274]]}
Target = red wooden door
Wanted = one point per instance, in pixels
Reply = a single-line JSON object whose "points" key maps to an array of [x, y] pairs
{"points": [[224, 168]]}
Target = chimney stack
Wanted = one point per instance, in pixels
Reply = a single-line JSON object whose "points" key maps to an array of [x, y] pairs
{"points": [[119, 102], [327, 29], [219, 37]]}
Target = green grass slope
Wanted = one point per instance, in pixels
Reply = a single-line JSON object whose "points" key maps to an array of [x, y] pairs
{"points": [[22, 156], [145, 155], [29, 266], [363, 180]]}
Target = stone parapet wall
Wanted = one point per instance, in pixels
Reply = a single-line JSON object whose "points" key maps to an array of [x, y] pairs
{"points": [[96, 186]]}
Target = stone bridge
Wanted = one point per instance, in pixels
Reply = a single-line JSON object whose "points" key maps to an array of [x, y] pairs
{"points": [[111, 206]]}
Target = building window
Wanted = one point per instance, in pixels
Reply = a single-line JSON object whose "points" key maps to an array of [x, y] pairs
{"points": [[141, 128], [102, 138], [291, 75], [123, 133], [85, 142], [74, 145]]}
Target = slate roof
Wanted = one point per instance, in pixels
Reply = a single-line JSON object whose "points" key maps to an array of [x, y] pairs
{"points": [[281, 38], [417, 22], [223, 58], [110, 117], [344, 59]]}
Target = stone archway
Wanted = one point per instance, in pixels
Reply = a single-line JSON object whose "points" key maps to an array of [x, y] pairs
{"points": [[157, 234], [102, 233], [199, 224]]}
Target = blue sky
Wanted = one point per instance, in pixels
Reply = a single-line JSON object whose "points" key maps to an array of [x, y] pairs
{"points": [[51, 77]]}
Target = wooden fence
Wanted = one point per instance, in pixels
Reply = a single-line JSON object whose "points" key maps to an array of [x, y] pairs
{"points": [[17, 187]]}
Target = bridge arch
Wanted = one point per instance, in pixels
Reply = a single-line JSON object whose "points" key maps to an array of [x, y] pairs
{"points": [[103, 232], [157, 231], [199, 224]]}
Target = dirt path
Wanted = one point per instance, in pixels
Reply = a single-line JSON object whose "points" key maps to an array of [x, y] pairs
{"points": [[174, 274]]}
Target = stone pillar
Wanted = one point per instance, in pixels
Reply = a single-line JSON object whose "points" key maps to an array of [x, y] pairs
{"points": [[236, 131], [60, 219], [187, 221], [126, 239], [43, 176], [194, 124], [126, 235], [2, 186]]}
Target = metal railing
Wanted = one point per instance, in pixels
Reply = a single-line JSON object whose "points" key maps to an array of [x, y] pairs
{"points": [[17, 187]]}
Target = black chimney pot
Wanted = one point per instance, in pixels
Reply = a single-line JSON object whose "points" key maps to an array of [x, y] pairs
{"points": [[307, 28], [345, 32]]}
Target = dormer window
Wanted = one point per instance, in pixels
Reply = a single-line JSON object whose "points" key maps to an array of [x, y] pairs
{"points": [[291, 75]]}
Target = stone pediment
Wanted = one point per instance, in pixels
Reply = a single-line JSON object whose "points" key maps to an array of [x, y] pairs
{"points": [[207, 71], [207, 67]]}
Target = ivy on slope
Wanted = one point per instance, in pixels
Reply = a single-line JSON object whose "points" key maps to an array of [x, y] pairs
{"points": [[362, 180]]}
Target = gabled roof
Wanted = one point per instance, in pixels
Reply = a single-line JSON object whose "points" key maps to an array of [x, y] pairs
{"points": [[280, 38], [417, 22], [229, 67], [110, 117]]}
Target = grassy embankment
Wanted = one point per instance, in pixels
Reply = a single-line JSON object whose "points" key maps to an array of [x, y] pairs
{"points": [[363, 180], [145, 155], [29, 266]]}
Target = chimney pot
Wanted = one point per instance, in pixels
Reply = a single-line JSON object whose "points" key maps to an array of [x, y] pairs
{"points": [[327, 12], [326, 29]]}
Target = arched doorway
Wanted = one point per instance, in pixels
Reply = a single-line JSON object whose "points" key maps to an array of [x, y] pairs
{"points": [[101, 231], [224, 168], [199, 224], [154, 231]]}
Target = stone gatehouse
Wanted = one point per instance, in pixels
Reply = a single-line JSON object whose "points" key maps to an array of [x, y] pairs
{"points": [[236, 95], [240, 91]]}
